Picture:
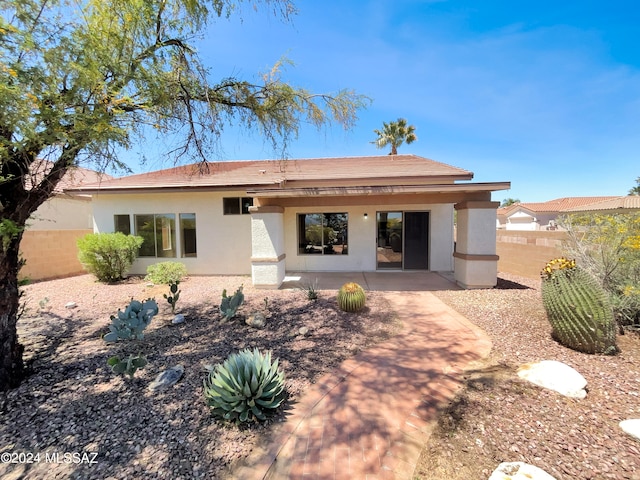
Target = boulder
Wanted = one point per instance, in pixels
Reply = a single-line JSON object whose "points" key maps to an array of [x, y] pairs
{"points": [[70, 305], [519, 471], [179, 318], [632, 427], [167, 378], [556, 376]]}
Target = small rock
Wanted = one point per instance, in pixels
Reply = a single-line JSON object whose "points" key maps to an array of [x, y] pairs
{"points": [[556, 376], [70, 305], [303, 331], [519, 471], [256, 320], [167, 378], [179, 318], [632, 427]]}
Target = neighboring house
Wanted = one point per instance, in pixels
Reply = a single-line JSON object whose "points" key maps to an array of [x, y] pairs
{"points": [[49, 242], [628, 204], [543, 215], [265, 218]]}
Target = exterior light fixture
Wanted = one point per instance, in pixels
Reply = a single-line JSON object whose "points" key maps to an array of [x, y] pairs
{"points": [[366, 215]]}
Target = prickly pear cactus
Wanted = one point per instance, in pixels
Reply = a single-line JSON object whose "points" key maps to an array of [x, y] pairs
{"points": [[229, 305], [351, 297], [129, 325], [578, 308]]}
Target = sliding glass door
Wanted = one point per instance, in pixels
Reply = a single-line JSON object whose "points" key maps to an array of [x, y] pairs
{"points": [[402, 240]]}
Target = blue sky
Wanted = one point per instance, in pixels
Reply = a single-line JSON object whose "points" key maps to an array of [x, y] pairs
{"points": [[543, 94]]}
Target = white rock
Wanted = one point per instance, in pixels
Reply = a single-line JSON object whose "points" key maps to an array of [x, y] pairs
{"points": [[519, 471], [179, 318], [555, 376], [70, 305], [632, 427]]}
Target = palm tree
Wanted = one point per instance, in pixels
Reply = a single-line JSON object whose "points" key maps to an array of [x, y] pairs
{"points": [[395, 134], [635, 190]]}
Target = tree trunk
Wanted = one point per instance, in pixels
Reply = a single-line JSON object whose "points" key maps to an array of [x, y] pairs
{"points": [[11, 364]]}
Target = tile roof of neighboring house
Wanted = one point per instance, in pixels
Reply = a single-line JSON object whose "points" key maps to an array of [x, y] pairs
{"points": [[73, 178], [564, 204], [371, 170], [630, 202]]}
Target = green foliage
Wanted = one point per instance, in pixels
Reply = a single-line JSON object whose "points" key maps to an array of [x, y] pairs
{"points": [[578, 308], [608, 247], [229, 305], [127, 366], [129, 325], [351, 297], [166, 272], [311, 290], [245, 388], [108, 255], [395, 134], [9, 230], [173, 296]]}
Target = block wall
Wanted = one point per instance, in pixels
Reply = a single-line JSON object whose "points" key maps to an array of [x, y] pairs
{"points": [[525, 253], [51, 254]]}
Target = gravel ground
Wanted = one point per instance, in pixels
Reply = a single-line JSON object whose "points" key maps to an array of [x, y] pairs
{"points": [[499, 418], [72, 403], [74, 418]]}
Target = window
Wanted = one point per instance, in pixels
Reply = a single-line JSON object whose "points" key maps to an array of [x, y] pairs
{"points": [[236, 205], [322, 233], [122, 224], [158, 233], [188, 232]]}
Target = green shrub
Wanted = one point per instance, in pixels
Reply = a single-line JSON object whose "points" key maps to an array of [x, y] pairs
{"points": [[351, 297], [166, 272], [108, 255], [245, 388]]}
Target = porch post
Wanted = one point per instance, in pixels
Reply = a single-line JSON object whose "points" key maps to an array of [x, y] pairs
{"points": [[475, 259], [267, 246]]}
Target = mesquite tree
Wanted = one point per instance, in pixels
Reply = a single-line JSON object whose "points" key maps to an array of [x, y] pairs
{"points": [[80, 79]]}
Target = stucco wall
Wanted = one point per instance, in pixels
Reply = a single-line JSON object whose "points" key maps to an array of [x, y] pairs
{"points": [[223, 241], [50, 254], [62, 213], [525, 253], [363, 238]]}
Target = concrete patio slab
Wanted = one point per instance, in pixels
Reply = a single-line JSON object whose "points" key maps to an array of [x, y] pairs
{"points": [[373, 281]]}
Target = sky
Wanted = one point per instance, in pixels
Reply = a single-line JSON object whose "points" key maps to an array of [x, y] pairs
{"points": [[543, 94]]}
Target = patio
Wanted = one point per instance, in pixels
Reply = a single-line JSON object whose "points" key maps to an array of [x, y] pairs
{"points": [[373, 281]]}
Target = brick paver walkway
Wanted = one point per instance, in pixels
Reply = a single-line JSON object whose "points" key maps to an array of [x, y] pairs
{"points": [[371, 418]]}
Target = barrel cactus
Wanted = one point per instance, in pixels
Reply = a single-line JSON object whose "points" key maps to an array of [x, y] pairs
{"points": [[351, 297], [578, 308], [245, 388]]}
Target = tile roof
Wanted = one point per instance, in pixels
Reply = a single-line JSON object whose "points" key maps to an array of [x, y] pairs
{"points": [[74, 177], [563, 204], [370, 170], [630, 202]]}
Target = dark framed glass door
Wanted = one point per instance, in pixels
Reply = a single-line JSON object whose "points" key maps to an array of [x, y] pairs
{"points": [[402, 240], [389, 247]]}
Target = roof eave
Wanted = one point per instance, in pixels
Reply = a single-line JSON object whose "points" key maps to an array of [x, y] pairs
{"points": [[378, 190]]}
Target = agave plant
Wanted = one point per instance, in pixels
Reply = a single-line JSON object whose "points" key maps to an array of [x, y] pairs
{"points": [[245, 387]]}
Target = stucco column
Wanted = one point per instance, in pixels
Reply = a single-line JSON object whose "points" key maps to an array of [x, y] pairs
{"points": [[475, 259], [267, 246]]}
